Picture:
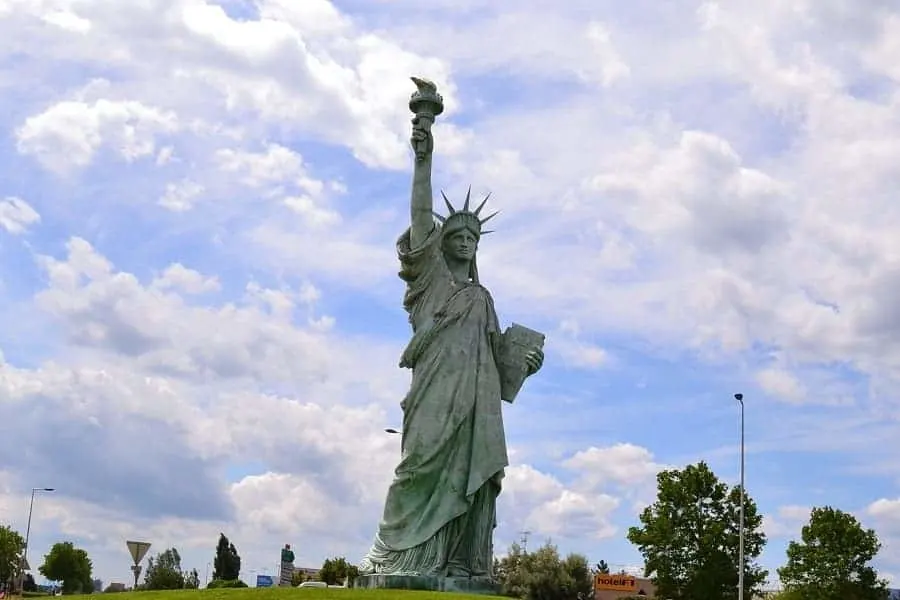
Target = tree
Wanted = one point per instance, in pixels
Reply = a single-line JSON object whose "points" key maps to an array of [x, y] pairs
{"points": [[581, 580], [690, 537], [11, 547], [831, 562], [71, 566], [510, 572], [542, 574], [192, 580], [337, 570], [227, 563], [164, 572]]}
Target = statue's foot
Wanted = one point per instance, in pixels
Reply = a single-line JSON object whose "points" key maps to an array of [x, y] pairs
{"points": [[457, 571], [366, 567]]}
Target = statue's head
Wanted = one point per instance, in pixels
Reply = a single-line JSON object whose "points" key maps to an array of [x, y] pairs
{"points": [[461, 230]]}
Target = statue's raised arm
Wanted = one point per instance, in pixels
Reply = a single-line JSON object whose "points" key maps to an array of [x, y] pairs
{"points": [[426, 104]]}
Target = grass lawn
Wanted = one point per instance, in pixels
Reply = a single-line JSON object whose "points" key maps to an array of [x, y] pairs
{"points": [[274, 593]]}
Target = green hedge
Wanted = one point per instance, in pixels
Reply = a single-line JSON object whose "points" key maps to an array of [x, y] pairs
{"points": [[223, 583]]}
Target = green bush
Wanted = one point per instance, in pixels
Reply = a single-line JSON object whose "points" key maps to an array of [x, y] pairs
{"points": [[225, 583]]}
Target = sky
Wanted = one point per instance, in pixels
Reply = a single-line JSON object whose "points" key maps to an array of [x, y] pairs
{"points": [[200, 314]]}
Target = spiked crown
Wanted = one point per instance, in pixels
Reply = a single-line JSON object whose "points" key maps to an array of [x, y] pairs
{"points": [[464, 218]]}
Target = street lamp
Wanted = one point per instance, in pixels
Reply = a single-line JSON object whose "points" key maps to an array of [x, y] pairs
{"points": [[740, 399], [28, 534], [391, 430]]}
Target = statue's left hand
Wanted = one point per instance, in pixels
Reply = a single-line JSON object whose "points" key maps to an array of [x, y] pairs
{"points": [[534, 360]]}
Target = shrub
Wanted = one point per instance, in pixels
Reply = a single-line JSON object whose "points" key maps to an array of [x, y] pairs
{"points": [[226, 583]]}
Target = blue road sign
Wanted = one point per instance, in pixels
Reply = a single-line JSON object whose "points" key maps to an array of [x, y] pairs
{"points": [[265, 581]]}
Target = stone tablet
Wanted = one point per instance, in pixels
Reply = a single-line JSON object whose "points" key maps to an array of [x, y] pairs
{"points": [[515, 344]]}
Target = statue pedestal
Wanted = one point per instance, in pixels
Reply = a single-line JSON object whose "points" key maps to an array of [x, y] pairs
{"points": [[474, 585]]}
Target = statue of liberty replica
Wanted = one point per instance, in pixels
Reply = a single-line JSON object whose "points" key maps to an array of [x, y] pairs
{"points": [[437, 529], [286, 576]]}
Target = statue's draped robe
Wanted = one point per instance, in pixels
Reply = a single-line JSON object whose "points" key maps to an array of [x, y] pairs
{"points": [[440, 513]]}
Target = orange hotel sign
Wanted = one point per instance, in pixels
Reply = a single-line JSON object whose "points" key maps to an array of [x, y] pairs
{"points": [[620, 583]]}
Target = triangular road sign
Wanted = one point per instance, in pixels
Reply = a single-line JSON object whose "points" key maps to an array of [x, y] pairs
{"points": [[138, 550]]}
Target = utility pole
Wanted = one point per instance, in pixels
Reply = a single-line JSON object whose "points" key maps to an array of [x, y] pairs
{"points": [[23, 562], [525, 535], [740, 399]]}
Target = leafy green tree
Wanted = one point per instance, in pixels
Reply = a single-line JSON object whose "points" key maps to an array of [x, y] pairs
{"points": [[71, 566], [335, 571], [581, 580], [11, 547], [192, 580], [690, 537], [164, 572], [227, 563], [543, 575], [510, 572], [831, 562]]}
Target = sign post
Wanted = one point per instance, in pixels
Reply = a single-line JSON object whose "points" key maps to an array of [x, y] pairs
{"points": [[618, 582], [138, 551]]}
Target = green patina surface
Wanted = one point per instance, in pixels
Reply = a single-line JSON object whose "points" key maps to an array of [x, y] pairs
{"points": [[440, 512]]}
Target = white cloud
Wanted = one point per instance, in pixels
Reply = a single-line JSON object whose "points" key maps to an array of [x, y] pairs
{"points": [[884, 48], [68, 21], [179, 277], [621, 465], [16, 215], [540, 503], [781, 384], [67, 135], [180, 196], [278, 165], [786, 522], [278, 504], [583, 355], [98, 307]]}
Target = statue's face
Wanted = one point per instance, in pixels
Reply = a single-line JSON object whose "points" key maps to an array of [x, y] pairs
{"points": [[461, 245]]}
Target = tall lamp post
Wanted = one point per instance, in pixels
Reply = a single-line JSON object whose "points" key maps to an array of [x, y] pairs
{"points": [[28, 533], [740, 399]]}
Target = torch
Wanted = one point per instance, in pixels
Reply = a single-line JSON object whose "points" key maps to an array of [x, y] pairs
{"points": [[426, 104]]}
